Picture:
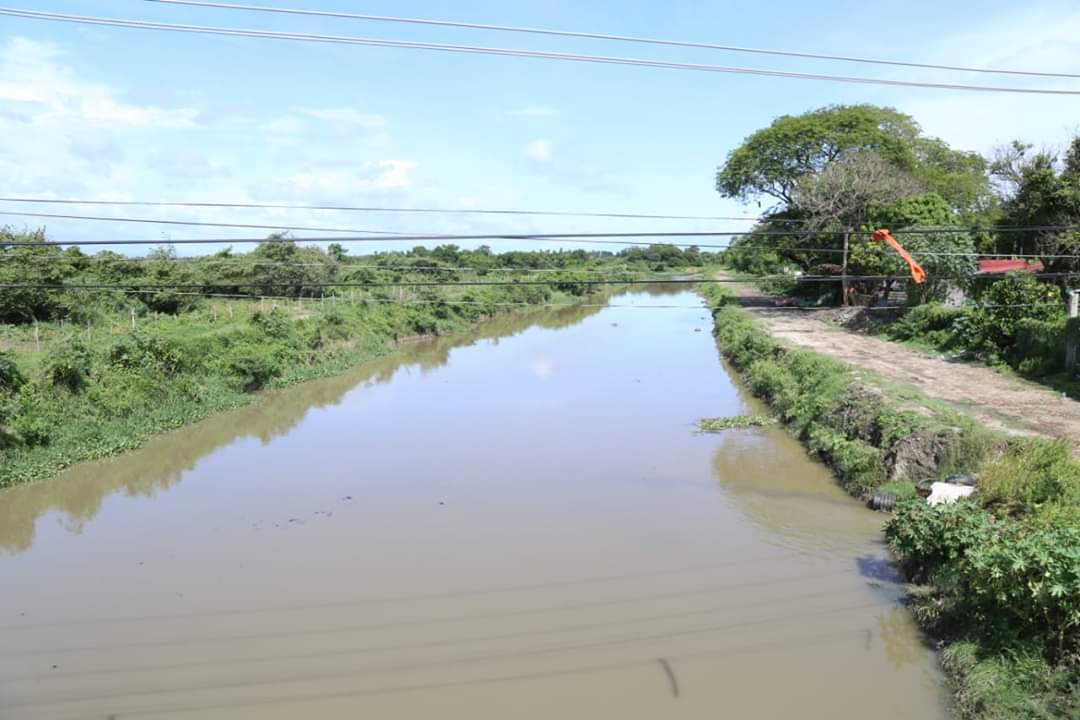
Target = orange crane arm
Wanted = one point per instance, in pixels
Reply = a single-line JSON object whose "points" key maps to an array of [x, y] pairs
{"points": [[917, 273]]}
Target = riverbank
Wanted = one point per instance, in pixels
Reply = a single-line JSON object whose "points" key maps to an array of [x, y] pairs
{"points": [[999, 581], [91, 396]]}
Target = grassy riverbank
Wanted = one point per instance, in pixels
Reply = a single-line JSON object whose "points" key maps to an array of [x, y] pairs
{"points": [[99, 352], [90, 397], [998, 577]]}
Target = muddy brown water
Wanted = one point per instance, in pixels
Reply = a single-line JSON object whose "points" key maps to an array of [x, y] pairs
{"points": [[519, 522]]}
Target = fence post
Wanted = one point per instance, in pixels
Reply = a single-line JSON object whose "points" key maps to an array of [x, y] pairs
{"points": [[1071, 335], [132, 318]]}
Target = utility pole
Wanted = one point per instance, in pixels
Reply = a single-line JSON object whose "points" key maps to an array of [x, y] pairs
{"points": [[843, 268], [1072, 330]]}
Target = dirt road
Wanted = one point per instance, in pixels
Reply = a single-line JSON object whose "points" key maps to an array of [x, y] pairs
{"points": [[1001, 402]]}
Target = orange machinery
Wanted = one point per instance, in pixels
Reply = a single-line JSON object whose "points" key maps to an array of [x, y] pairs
{"points": [[917, 273]]}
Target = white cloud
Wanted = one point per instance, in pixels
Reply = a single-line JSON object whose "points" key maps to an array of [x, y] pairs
{"points": [[1038, 38], [539, 150], [30, 74], [284, 125], [381, 176], [542, 368], [535, 111], [346, 116], [394, 174]]}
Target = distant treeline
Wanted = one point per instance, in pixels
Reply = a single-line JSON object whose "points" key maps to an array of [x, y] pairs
{"points": [[278, 267]]}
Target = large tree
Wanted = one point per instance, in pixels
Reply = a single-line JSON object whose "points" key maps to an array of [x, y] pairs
{"points": [[843, 168], [1043, 190], [771, 162]]}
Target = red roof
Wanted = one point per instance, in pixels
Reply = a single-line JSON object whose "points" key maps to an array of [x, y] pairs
{"points": [[1004, 266]]}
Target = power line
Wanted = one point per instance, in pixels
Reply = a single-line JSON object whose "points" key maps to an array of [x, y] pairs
{"points": [[301, 283], [609, 36], [194, 223], [373, 209], [508, 52], [379, 236], [242, 263], [631, 306]]}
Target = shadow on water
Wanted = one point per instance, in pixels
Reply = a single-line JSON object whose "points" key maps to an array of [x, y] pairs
{"points": [[79, 492]]}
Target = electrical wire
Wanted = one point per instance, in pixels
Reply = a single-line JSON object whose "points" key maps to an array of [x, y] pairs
{"points": [[480, 283], [509, 52], [546, 305], [607, 238], [241, 263], [608, 36], [363, 208]]}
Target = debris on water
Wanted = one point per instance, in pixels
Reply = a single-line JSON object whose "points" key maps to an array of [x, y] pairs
{"points": [[715, 425]]}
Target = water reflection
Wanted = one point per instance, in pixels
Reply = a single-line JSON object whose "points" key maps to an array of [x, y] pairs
{"points": [[765, 473], [79, 492]]}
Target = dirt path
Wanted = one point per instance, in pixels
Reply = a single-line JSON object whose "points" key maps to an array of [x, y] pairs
{"points": [[1001, 402]]}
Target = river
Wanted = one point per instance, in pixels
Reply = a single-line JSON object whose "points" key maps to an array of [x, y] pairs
{"points": [[518, 522]]}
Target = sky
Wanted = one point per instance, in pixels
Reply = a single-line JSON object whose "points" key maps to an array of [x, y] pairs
{"points": [[123, 114]]}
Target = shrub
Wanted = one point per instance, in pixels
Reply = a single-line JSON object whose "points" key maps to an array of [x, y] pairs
{"points": [[770, 380], [1039, 348], [138, 351], [253, 366], [275, 324], [10, 377], [857, 464], [932, 322], [69, 366], [1023, 583], [1017, 297], [929, 540], [1033, 472]]}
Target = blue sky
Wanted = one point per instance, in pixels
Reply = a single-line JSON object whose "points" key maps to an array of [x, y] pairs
{"points": [[109, 113]]}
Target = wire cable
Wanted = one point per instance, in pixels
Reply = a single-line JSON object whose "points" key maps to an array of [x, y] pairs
{"points": [[301, 283], [609, 36], [373, 209], [608, 238], [508, 52]]}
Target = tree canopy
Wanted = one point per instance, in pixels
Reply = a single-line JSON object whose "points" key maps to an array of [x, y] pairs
{"points": [[1039, 189], [772, 161]]}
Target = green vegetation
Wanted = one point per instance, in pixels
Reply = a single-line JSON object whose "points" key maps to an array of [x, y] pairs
{"points": [[844, 417], [86, 374], [735, 422], [1020, 325], [842, 171], [998, 575]]}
